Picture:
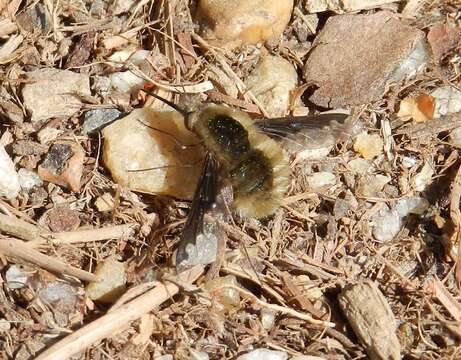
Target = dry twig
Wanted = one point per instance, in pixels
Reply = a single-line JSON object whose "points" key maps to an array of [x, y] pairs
{"points": [[20, 250]]}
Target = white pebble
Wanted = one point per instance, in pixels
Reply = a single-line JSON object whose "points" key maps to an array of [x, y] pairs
{"points": [[5, 325], [359, 165], [409, 161], [272, 82], [321, 179], [455, 137], [368, 145], [126, 81], [267, 319], [111, 281], [387, 224], [371, 185], [29, 179], [9, 179], [447, 100], [264, 354], [198, 355], [15, 277], [411, 205], [423, 178]]}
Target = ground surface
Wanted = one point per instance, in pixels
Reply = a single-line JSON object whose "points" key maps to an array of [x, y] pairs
{"points": [[296, 263]]}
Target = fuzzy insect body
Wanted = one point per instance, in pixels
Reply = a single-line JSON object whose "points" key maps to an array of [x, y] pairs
{"points": [[246, 154], [255, 164]]}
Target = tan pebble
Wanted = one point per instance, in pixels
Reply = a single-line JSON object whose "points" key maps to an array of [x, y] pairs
{"points": [[105, 202], [369, 146], [220, 289], [111, 284], [235, 22], [272, 81]]}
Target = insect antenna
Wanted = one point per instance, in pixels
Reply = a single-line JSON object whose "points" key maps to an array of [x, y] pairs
{"points": [[166, 101], [179, 109], [159, 167], [171, 136]]}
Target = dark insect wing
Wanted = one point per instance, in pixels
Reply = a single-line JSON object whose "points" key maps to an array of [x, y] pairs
{"points": [[288, 125], [204, 198]]}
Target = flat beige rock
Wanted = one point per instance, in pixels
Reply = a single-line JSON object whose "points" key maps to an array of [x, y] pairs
{"points": [[63, 89], [131, 145]]}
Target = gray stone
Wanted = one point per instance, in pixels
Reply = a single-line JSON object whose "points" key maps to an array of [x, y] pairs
{"points": [[386, 225], [29, 179], [95, 119]]}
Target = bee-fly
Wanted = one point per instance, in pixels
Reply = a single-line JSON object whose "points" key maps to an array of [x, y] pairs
{"points": [[244, 152]]}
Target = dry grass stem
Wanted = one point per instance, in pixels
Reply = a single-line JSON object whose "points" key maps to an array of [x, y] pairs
{"points": [[20, 250]]}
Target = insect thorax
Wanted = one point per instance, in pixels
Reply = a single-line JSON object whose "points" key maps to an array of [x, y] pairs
{"points": [[249, 169]]}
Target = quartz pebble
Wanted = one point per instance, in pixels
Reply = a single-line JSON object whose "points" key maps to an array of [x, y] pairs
{"points": [[267, 319], [392, 51], [5, 325], [369, 146], [411, 205], [164, 357], [386, 224], [16, 277], [58, 291], [359, 165], [130, 145], [272, 82], [220, 290], [455, 137], [29, 179], [111, 284], [198, 355], [63, 89], [371, 185], [420, 108], [264, 354], [130, 81], [105, 203], [424, 177], [9, 179], [448, 100], [232, 23], [321, 180]]}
